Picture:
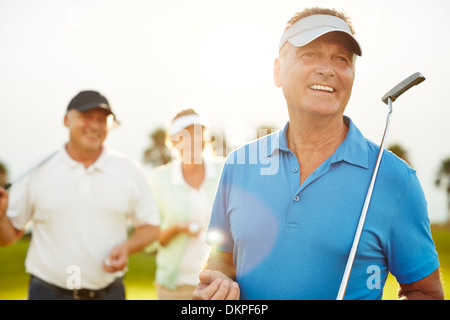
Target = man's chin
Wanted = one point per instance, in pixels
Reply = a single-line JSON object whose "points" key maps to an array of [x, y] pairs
{"points": [[92, 146]]}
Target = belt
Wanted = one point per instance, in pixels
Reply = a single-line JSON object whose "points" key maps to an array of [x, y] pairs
{"points": [[78, 294]]}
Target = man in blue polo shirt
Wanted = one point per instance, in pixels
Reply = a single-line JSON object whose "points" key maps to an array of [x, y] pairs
{"points": [[288, 204]]}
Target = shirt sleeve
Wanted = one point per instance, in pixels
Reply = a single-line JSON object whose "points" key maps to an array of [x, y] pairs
{"points": [[411, 251], [219, 234], [145, 209], [20, 209]]}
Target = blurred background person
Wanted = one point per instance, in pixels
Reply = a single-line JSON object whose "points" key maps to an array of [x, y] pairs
{"points": [[184, 190], [80, 202]]}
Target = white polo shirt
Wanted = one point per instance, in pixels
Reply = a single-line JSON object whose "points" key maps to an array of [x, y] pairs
{"points": [[79, 214], [180, 261]]}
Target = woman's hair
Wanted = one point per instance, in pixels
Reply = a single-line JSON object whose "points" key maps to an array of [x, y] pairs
{"points": [[182, 113]]}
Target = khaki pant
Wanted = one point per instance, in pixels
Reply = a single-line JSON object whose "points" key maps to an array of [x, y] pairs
{"points": [[183, 292]]}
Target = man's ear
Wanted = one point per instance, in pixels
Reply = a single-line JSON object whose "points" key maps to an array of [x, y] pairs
{"points": [[276, 72], [66, 120]]}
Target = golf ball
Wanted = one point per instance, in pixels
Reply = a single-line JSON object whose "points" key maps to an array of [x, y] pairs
{"points": [[194, 227]]}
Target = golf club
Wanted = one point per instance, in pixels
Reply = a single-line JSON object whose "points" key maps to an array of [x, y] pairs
{"points": [[388, 98], [37, 165]]}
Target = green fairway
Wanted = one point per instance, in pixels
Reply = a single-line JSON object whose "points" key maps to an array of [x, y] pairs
{"points": [[14, 281], [140, 278]]}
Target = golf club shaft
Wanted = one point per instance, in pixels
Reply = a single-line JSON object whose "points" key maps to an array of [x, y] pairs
{"points": [[40, 163], [362, 219]]}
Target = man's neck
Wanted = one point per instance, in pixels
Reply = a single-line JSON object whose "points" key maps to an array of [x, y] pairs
{"points": [[313, 140], [86, 157], [313, 134]]}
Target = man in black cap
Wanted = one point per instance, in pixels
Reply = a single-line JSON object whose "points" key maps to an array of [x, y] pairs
{"points": [[79, 202], [88, 118]]}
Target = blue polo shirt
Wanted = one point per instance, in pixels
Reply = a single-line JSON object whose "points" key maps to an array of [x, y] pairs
{"points": [[292, 241]]}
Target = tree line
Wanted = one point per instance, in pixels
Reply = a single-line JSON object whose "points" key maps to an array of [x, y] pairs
{"points": [[157, 153]]}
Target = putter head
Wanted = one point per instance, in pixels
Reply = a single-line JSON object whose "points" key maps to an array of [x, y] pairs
{"points": [[403, 86]]}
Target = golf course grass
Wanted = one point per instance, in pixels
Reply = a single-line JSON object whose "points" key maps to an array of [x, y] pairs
{"points": [[140, 278]]}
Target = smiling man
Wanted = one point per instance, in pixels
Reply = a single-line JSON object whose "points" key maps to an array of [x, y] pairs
{"points": [[286, 233], [80, 201]]}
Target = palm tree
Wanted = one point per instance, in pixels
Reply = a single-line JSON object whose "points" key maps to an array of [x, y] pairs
{"points": [[400, 152], [264, 130], [158, 154], [443, 181]]}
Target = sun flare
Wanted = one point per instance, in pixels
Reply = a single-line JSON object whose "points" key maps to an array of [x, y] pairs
{"points": [[238, 57]]}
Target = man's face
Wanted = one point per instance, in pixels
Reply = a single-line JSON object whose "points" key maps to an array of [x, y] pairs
{"points": [[87, 129], [318, 77]]}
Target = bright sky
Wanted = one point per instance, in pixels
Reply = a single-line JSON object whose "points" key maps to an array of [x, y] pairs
{"points": [[149, 57]]}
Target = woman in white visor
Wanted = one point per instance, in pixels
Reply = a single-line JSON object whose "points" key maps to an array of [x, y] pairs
{"points": [[184, 192]]}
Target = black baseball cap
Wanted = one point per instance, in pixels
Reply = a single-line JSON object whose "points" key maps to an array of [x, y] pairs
{"points": [[87, 100]]}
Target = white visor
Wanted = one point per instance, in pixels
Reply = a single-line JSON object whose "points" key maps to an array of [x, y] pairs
{"points": [[312, 27], [185, 121]]}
